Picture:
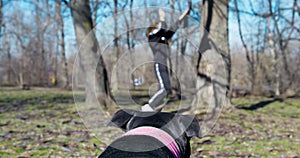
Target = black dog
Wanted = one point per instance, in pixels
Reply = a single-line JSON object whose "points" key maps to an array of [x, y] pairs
{"points": [[151, 134]]}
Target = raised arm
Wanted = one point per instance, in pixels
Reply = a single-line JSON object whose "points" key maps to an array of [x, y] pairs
{"points": [[162, 29], [175, 26]]}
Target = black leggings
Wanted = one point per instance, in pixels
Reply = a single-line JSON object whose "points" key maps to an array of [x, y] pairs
{"points": [[162, 75]]}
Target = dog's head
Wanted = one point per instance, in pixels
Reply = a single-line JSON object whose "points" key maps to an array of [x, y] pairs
{"points": [[172, 123]]}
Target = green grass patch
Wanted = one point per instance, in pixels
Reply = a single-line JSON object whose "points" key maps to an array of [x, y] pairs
{"points": [[45, 122]]}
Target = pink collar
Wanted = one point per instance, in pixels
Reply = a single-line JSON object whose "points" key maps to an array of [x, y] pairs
{"points": [[159, 134]]}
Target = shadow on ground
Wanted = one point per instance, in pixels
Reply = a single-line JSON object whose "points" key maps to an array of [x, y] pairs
{"points": [[259, 105]]}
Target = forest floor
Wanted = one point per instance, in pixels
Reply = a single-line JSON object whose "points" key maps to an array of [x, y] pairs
{"points": [[45, 123]]}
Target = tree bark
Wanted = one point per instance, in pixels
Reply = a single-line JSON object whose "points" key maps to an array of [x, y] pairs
{"points": [[215, 40], [115, 85], [62, 44], [55, 64], [9, 63], [42, 72], [95, 5], [175, 75], [283, 45], [131, 42], [249, 55], [213, 66], [274, 53], [1, 17], [275, 61], [96, 79]]}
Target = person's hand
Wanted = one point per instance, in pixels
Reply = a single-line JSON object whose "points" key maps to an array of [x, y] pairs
{"points": [[186, 12], [161, 14]]}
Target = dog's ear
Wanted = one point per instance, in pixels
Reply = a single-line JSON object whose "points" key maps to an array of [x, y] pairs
{"points": [[121, 118], [193, 129]]}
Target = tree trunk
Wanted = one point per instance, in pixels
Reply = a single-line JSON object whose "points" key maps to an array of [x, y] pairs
{"points": [[174, 69], [283, 45], [146, 10], [95, 5], [9, 63], [213, 66], [62, 44], [1, 17], [55, 64], [274, 53], [115, 82], [40, 47], [215, 39], [249, 54], [39, 40], [131, 42], [275, 62], [96, 79], [219, 32]]}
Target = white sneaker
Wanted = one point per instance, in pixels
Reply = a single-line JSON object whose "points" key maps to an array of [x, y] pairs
{"points": [[147, 107]]}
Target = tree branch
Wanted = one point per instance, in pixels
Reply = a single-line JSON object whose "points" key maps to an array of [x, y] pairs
{"points": [[66, 3]]}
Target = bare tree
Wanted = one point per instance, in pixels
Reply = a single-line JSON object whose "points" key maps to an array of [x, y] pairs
{"points": [[275, 60], [82, 19], [249, 53], [9, 69], [130, 38], [214, 41], [280, 21], [115, 84], [62, 43], [280, 33], [95, 7], [55, 58], [213, 66], [6, 46], [40, 44], [1, 17], [20, 33]]}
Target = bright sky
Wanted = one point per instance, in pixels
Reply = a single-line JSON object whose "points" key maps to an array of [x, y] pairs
{"points": [[27, 8]]}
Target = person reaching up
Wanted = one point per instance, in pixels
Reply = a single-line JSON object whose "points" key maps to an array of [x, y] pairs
{"points": [[158, 35]]}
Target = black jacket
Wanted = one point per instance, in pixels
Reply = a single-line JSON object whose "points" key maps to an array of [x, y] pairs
{"points": [[158, 40]]}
